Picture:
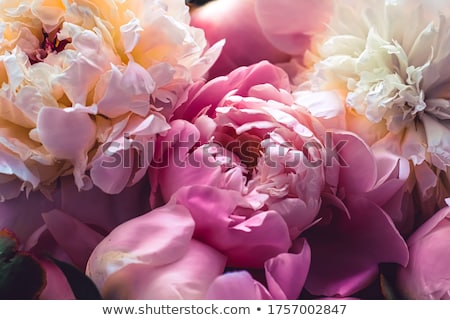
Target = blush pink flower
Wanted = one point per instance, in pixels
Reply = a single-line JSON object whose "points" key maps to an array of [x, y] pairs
{"points": [[427, 274], [81, 81], [247, 138], [251, 152], [260, 29]]}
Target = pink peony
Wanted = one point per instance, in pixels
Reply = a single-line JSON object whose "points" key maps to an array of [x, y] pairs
{"points": [[257, 154], [248, 139], [260, 29], [428, 272]]}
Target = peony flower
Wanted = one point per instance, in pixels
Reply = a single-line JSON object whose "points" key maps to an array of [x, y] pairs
{"points": [[246, 139], [251, 154], [391, 75], [268, 30], [81, 81], [427, 274]]}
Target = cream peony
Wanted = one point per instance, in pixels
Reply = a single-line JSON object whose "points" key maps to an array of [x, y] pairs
{"points": [[389, 59], [82, 80]]}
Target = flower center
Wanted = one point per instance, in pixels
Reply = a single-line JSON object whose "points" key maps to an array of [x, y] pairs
{"points": [[49, 44]]}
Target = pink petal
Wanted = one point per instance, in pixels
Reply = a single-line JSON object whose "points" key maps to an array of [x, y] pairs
{"points": [[57, 287], [240, 80], [355, 160], [247, 243], [187, 278], [118, 161], [237, 286], [160, 237], [346, 253], [77, 239], [241, 38], [67, 135], [427, 274], [288, 24], [286, 273]]}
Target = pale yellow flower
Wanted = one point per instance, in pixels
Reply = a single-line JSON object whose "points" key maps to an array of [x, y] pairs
{"points": [[76, 75]]}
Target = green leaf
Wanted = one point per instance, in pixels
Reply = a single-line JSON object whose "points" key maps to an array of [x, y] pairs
{"points": [[82, 286], [8, 245], [21, 275]]}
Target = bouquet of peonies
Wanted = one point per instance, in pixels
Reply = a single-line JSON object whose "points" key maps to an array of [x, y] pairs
{"points": [[151, 149]]}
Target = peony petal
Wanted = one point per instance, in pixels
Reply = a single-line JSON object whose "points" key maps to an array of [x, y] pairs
{"points": [[346, 253], [356, 162], [155, 239], [427, 274], [13, 165], [247, 243], [286, 273], [67, 134], [187, 278], [240, 80], [281, 25], [57, 287], [77, 239], [131, 34], [96, 208], [237, 286], [241, 38]]}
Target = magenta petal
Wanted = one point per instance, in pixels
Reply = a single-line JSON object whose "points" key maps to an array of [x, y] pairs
{"points": [[187, 278], [247, 242], [77, 239], [357, 166], [237, 286], [286, 273], [239, 81], [346, 253], [252, 242], [57, 287]]}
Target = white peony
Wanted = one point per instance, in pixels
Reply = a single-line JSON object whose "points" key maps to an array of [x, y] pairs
{"points": [[390, 59], [78, 76]]}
